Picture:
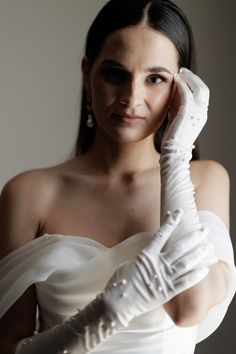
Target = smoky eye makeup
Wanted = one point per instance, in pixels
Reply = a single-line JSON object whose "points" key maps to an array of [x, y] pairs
{"points": [[157, 78]]}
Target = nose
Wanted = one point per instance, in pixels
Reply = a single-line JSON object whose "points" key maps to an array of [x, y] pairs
{"points": [[132, 94]]}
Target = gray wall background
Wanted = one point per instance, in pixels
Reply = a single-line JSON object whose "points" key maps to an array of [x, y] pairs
{"points": [[41, 44], [214, 27]]}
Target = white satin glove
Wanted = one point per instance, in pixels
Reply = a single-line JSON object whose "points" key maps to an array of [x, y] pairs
{"points": [[154, 276], [137, 286], [189, 115], [191, 103]]}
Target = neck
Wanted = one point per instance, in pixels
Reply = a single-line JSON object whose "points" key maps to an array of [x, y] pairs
{"points": [[112, 158]]}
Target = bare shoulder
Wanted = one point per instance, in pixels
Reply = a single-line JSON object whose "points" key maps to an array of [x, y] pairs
{"points": [[24, 201], [204, 170], [30, 181], [212, 187]]}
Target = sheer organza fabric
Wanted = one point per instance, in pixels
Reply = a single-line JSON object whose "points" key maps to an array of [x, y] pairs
{"points": [[69, 271]]}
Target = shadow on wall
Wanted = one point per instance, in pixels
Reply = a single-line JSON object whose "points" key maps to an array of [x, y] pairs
{"points": [[214, 26]]}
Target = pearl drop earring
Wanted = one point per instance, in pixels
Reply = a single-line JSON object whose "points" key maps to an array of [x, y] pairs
{"points": [[89, 123]]}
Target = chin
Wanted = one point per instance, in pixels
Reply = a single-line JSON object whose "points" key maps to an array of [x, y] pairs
{"points": [[128, 137]]}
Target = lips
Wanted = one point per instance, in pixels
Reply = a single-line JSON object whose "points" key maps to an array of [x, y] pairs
{"points": [[127, 119], [128, 116]]}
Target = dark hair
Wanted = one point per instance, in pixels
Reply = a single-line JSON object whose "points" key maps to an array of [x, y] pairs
{"points": [[163, 16]]}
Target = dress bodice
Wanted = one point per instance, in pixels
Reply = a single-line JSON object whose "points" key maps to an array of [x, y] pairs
{"points": [[69, 271], [83, 269]]}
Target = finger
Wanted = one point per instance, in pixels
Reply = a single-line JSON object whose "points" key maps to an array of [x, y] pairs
{"points": [[184, 246], [191, 261], [190, 279], [199, 89], [197, 79], [184, 90], [166, 229], [209, 260]]}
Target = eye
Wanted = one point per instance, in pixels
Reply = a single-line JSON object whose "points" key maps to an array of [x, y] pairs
{"points": [[156, 79], [114, 75]]}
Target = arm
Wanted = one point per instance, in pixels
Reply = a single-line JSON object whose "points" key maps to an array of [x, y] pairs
{"points": [[15, 327], [23, 205], [19, 221], [23, 201], [110, 310], [212, 194], [152, 278], [191, 101]]}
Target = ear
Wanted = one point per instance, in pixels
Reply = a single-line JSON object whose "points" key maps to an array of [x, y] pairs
{"points": [[86, 73]]}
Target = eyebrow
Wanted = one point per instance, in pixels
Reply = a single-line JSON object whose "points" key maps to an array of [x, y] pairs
{"points": [[155, 69]]}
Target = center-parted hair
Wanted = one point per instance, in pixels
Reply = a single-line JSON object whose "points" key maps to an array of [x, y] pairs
{"points": [[161, 15]]}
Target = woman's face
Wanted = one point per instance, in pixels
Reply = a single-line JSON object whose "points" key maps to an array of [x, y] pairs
{"points": [[132, 76]]}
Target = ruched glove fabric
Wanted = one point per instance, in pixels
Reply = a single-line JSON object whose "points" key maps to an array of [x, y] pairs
{"points": [[137, 286]]}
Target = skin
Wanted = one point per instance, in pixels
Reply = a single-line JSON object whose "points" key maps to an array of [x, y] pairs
{"points": [[118, 179], [148, 94]]}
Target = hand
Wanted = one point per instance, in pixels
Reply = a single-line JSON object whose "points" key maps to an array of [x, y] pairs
{"points": [[188, 113], [155, 276]]}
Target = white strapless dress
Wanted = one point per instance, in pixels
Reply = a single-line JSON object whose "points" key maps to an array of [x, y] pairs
{"points": [[69, 271]]}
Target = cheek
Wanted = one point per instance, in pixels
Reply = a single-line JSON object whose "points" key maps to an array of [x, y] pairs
{"points": [[102, 95], [101, 105]]}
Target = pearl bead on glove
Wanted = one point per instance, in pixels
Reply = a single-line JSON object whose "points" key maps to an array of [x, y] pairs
{"points": [[155, 276], [188, 116], [137, 286], [191, 102]]}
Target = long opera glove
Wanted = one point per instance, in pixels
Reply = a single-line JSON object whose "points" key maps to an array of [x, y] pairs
{"points": [[177, 190]]}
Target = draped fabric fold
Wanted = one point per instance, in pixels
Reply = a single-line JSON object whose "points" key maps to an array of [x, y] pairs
{"points": [[69, 271], [220, 238]]}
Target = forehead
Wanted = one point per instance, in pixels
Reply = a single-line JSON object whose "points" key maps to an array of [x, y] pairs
{"points": [[140, 46]]}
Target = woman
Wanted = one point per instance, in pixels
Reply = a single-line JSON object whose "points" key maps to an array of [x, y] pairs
{"points": [[165, 277]]}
